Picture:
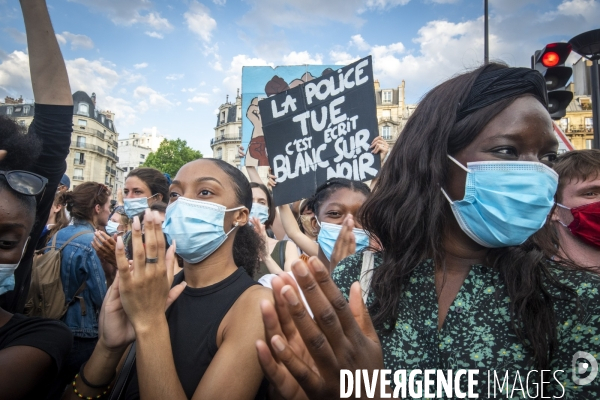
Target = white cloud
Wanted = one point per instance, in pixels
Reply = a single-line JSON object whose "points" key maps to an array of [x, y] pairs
{"points": [[125, 113], [302, 58], [190, 90], [219, 2], [16, 35], [385, 4], [140, 65], [150, 98], [92, 76], [444, 1], [14, 75], [233, 81], [201, 98], [129, 12], [77, 41], [359, 42], [189, 109], [199, 21], [174, 77], [342, 58], [216, 90], [154, 34]]}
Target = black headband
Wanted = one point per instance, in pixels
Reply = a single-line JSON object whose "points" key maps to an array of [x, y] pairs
{"points": [[493, 86]]}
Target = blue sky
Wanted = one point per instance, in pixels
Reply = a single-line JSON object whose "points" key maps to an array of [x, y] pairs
{"points": [[170, 64]]}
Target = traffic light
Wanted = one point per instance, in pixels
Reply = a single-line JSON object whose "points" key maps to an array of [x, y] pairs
{"points": [[550, 62]]}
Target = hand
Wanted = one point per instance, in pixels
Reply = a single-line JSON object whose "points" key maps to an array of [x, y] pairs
{"points": [[241, 152], [345, 245], [272, 179], [259, 228], [342, 338], [146, 287], [381, 147], [105, 247], [120, 197]]}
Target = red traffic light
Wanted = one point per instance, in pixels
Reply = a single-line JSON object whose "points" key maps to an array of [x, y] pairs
{"points": [[550, 59]]}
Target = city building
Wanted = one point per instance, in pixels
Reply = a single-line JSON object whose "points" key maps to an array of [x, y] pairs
{"points": [[134, 149], [578, 124], [228, 132], [392, 111], [93, 151]]}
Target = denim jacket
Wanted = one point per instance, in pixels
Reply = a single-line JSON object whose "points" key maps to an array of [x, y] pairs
{"points": [[79, 263]]}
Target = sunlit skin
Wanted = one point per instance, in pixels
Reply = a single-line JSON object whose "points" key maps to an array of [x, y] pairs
{"points": [[576, 194], [341, 203], [15, 224], [135, 188], [101, 215], [522, 132]]}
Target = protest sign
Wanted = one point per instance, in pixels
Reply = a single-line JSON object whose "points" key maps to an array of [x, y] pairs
{"points": [[320, 130], [259, 83]]}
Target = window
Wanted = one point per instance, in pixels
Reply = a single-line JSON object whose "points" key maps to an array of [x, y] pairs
{"points": [[82, 123], [564, 124], [106, 180], [223, 117], [386, 96], [589, 124], [589, 143], [127, 143], [26, 109], [102, 118], [386, 132], [222, 132], [80, 141], [143, 156], [18, 109], [78, 174], [79, 158], [219, 153], [9, 110], [83, 109], [131, 168]]}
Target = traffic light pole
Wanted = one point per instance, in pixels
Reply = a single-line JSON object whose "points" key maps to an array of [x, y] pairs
{"points": [[486, 44], [596, 102]]}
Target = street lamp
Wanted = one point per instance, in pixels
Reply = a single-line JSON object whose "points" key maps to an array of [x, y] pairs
{"points": [[588, 45]]}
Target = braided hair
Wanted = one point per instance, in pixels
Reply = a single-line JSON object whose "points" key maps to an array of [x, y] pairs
{"points": [[325, 191]]}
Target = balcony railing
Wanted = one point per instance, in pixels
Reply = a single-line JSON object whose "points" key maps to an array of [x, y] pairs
{"points": [[77, 161], [107, 169], [113, 172], [225, 138], [77, 178], [111, 154], [93, 147]]}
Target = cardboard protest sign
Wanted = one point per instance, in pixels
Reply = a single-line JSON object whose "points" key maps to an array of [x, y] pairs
{"points": [[320, 130], [259, 83]]}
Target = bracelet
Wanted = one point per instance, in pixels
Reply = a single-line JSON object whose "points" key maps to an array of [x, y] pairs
{"points": [[91, 385], [87, 397]]}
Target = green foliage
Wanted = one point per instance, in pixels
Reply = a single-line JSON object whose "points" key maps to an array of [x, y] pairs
{"points": [[172, 155]]}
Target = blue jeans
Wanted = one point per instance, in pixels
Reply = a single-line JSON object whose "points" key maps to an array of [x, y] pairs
{"points": [[80, 352]]}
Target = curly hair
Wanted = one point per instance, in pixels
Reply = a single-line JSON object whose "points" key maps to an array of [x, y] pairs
{"points": [[22, 148]]}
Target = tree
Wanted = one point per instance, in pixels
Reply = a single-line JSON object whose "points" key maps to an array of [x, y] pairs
{"points": [[172, 155]]}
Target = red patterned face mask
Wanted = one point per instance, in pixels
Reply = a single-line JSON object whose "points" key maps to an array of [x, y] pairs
{"points": [[586, 223]]}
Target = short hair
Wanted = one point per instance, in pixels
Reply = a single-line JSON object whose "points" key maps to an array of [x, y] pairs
{"points": [[270, 203], [22, 148], [578, 166]]}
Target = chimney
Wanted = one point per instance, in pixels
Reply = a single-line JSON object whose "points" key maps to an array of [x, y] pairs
{"points": [[227, 99], [94, 98], [238, 92], [377, 88]]}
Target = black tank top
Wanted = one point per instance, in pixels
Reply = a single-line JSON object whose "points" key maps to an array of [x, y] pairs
{"points": [[194, 320]]}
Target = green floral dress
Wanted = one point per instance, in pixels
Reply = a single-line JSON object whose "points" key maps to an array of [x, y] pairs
{"points": [[477, 334]]}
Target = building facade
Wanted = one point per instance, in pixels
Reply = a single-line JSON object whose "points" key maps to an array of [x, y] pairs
{"points": [[134, 149], [228, 132], [392, 111], [94, 142], [578, 124]]}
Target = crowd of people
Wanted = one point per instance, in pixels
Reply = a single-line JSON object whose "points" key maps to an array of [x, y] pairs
{"points": [[476, 247]]}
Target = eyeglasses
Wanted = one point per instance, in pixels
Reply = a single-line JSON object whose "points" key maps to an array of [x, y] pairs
{"points": [[25, 182]]}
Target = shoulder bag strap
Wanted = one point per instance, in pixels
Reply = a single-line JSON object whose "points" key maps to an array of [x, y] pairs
{"points": [[282, 245], [366, 274], [70, 239], [123, 375]]}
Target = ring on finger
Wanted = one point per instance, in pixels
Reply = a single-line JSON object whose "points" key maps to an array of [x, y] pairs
{"points": [[151, 260]]}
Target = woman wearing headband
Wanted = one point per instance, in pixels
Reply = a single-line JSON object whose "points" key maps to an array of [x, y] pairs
{"points": [[462, 282]]}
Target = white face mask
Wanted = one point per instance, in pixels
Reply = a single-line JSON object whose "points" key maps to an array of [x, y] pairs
{"points": [[7, 273]]}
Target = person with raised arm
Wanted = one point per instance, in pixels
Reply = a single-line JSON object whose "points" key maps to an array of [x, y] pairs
{"points": [[52, 124]]}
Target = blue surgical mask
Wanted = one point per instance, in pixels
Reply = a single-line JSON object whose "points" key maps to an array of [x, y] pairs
{"points": [[196, 226], [260, 211], [7, 273], [112, 227], [135, 206], [329, 233], [505, 202]]}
